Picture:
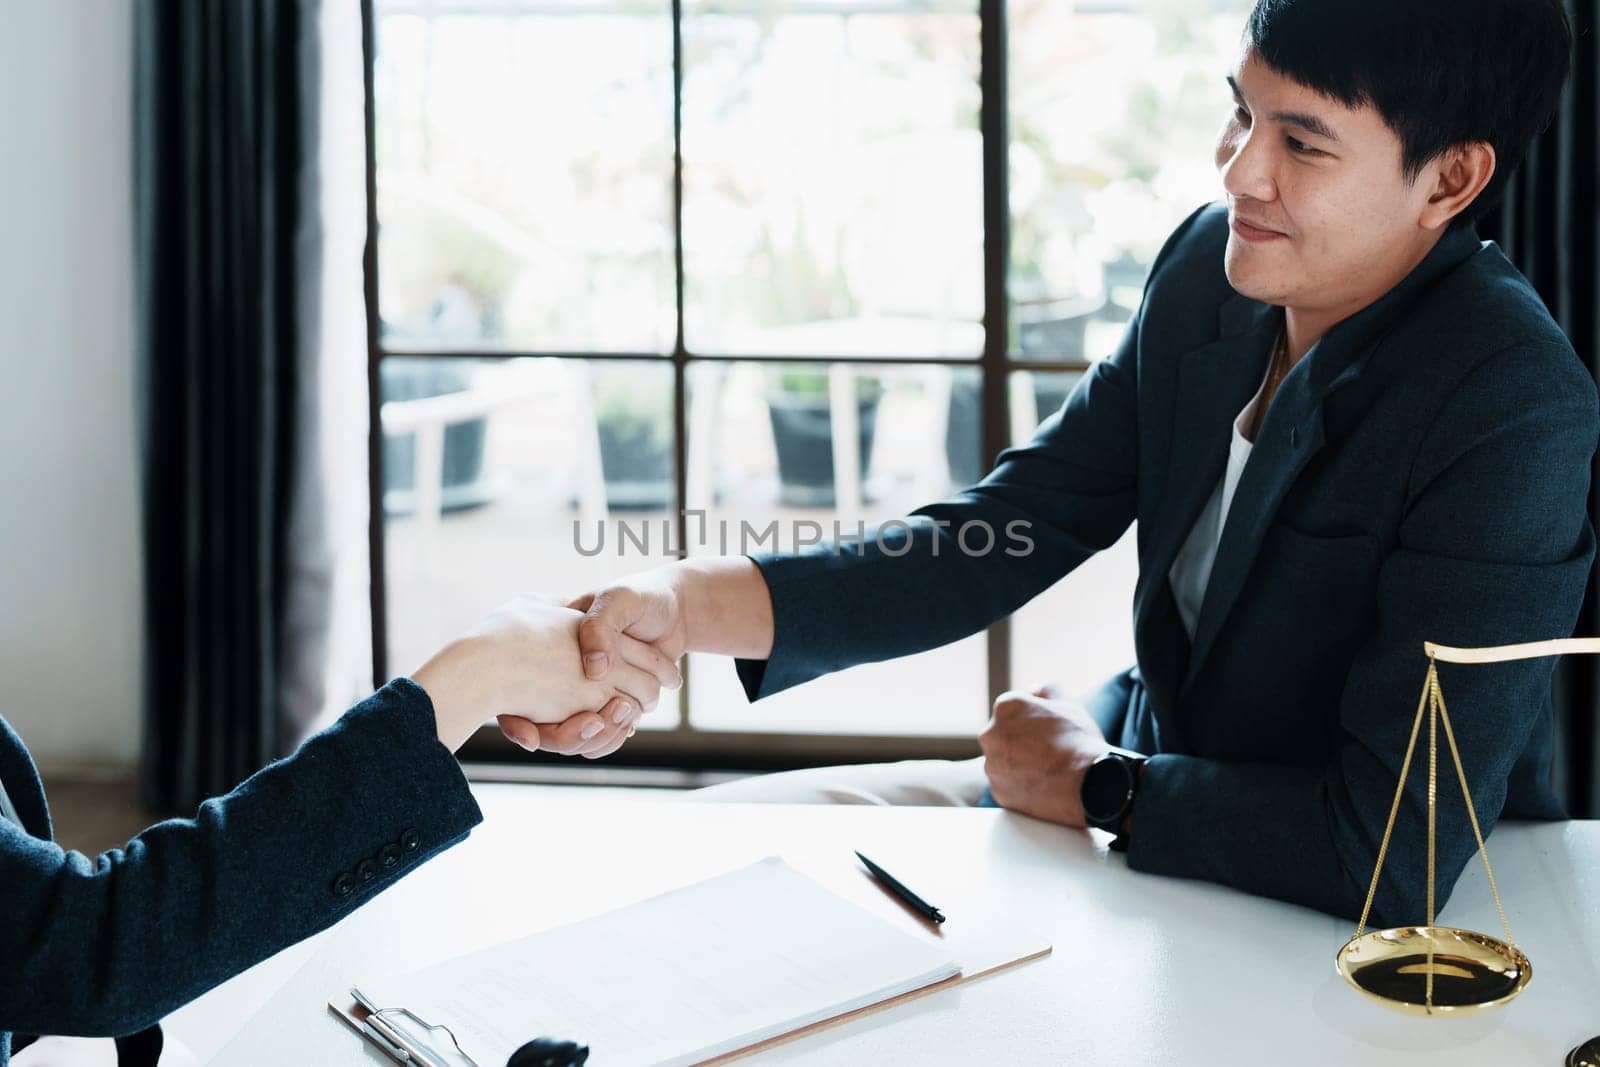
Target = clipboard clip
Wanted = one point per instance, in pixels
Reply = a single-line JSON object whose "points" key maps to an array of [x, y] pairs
{"points": [[408, 1038]]}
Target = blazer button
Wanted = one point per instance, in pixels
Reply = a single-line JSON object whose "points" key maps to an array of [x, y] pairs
{"points": [[410, 841], [366, 871], [389, 855], [343, 885]]}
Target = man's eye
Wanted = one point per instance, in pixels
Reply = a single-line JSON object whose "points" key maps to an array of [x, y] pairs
{"points": [[1242, 115], [1300, 146]]}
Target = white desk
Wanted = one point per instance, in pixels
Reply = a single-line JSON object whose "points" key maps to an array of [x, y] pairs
{"points": [[1146, 970]]}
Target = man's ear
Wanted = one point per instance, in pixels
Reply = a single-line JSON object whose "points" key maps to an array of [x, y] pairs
{"points": [[1457, 176]]}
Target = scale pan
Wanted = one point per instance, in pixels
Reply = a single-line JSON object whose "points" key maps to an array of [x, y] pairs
{"points": [[1586, 1054], [1472, 972]]}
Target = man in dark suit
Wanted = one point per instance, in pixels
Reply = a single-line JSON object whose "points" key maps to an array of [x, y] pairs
{"points": [[99, 949], [1344, 426]]}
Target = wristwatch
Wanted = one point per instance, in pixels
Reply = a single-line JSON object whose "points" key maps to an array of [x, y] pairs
{"points": [[1109, 788]]}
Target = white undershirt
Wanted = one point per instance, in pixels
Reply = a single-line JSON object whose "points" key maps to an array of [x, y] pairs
{"points": [[1191, 570], [6, 810]]}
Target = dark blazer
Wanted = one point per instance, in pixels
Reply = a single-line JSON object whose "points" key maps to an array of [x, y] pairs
{"points": [[1422, 475], [105, 947]]}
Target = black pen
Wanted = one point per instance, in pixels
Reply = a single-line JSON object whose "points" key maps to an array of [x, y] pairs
{"points": [[923, 908]]}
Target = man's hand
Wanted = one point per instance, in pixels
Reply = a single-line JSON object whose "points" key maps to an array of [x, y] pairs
{"points": [[635, 623], [647, 607], [636, 674], [1036, 750], [717, 604], [522, 663]]}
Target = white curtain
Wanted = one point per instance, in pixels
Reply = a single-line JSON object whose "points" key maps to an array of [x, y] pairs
{"points": [[327, 650]]}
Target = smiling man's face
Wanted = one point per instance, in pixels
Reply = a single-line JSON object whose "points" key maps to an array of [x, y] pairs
{"points": [[1326, 179]]}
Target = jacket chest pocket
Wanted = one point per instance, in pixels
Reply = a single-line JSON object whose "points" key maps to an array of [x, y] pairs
{"points": [[1338, 571]]}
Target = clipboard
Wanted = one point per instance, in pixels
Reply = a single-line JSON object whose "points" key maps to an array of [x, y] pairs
{"points": [[980, 948], [402, 1035], [358, 1011]]}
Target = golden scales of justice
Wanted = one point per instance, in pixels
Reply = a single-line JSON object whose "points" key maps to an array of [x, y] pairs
{"points": [[1440, 970]]}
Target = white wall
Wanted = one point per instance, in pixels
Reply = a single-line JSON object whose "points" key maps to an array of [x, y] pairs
{"points": [[70, 590]]}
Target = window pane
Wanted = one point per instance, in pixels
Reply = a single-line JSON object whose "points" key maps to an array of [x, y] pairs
{"points": [[525, 176], [1079, 632], [833, 180], [763, 440], [497, 477], [1113, 117]]}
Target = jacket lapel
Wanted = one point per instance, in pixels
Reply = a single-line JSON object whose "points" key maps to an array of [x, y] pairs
{"points": [[1213, 383], [1292, 433]]}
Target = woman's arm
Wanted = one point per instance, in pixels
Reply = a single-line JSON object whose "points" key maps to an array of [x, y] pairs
{"points": [[108, 945]]}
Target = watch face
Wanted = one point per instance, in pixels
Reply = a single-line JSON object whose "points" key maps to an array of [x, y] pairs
{"points": [[1105, 789]]}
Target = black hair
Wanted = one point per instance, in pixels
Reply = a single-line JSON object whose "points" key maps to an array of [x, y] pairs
{"points": [[1441, 72]]}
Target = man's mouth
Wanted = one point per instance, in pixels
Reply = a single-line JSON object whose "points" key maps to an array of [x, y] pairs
{"points": [[1253, 233]]}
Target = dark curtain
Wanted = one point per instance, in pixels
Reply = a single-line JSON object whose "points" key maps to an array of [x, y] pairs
{"points": [[220, 138], [1549, 226]]}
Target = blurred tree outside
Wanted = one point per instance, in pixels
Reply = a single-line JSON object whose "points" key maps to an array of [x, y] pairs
{"points": [[1113, 114], [831, 162]]}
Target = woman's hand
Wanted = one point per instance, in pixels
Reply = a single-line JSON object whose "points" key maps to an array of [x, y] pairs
{"points": [[522, 664]]}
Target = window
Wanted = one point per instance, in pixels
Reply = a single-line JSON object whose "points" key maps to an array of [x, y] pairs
{"points": [[783, 263]]}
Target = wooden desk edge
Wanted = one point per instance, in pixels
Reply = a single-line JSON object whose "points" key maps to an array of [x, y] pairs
{"points": [[349, 1017], [882, 1005]]}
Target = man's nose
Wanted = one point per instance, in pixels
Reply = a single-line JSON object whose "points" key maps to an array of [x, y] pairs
{"points": [[1248, 173]]}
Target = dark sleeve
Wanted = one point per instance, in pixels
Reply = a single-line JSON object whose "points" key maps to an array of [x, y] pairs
{"points": [[1494, 548], [107, 946], [951, 569]]}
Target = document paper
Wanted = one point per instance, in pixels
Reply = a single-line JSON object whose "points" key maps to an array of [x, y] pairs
{"points": [[679, 978]]}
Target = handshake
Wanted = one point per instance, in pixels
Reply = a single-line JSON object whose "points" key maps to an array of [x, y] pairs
{"points": [[571, 677]]}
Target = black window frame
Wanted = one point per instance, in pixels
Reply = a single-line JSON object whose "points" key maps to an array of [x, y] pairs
{"points": [[685, 745]]}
